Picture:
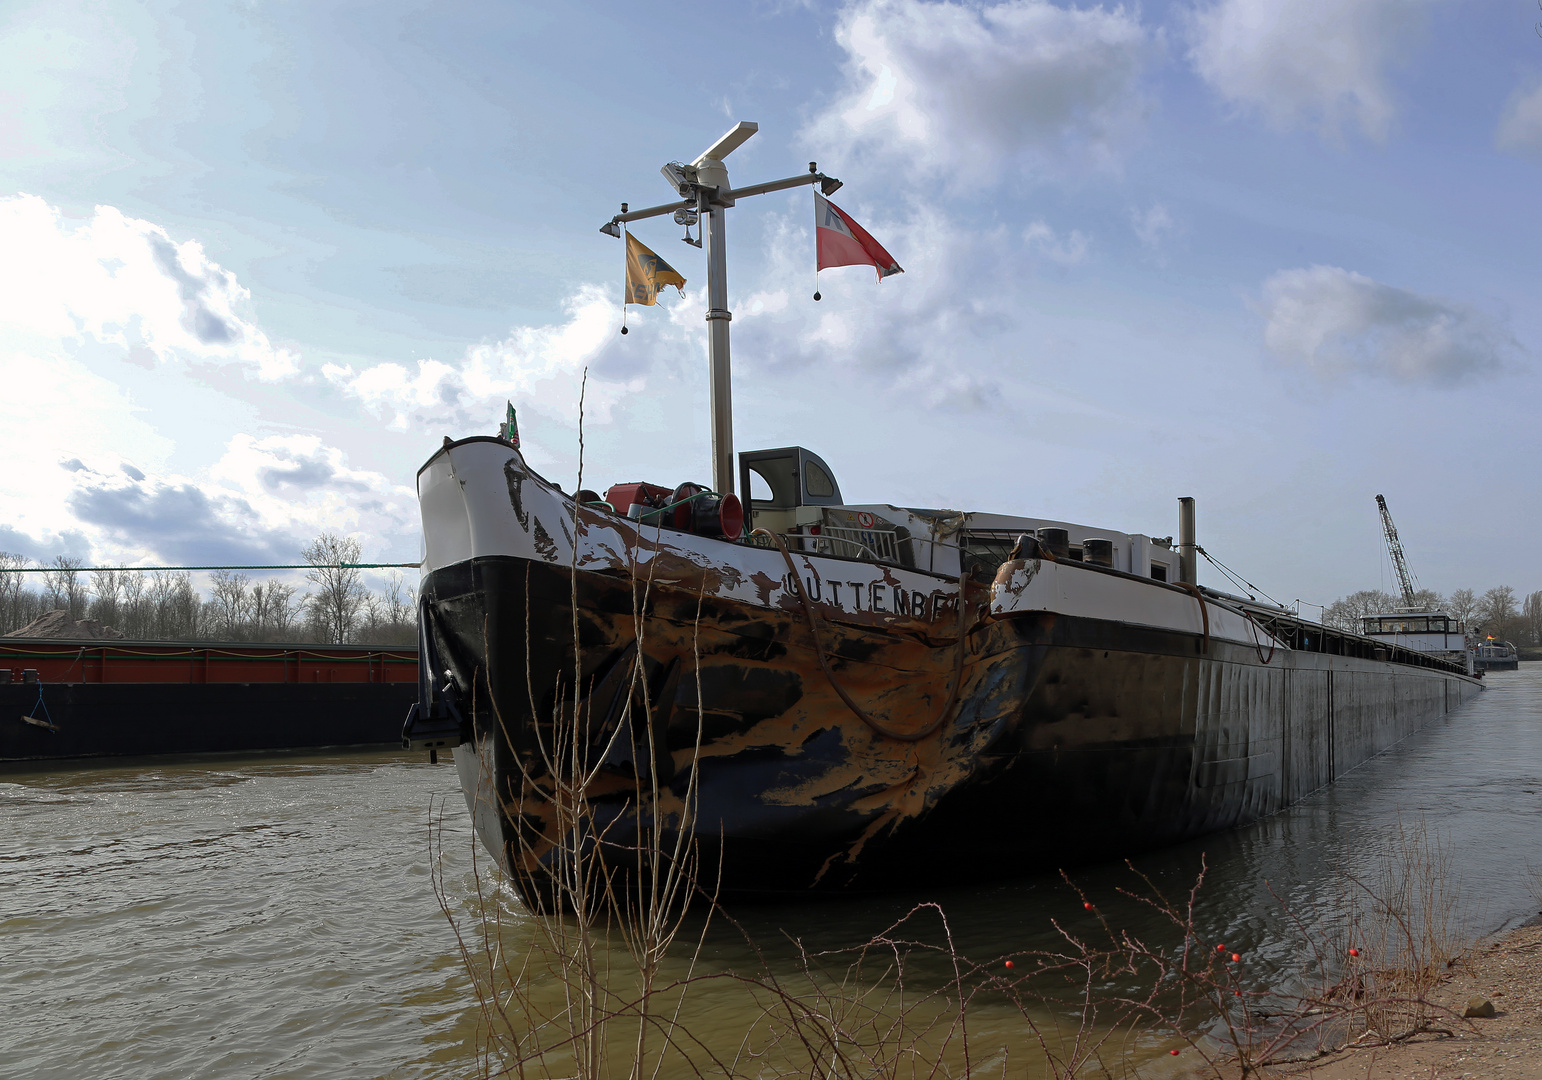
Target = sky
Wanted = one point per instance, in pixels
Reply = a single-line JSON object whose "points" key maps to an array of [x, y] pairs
{"points": [[258, 259]]}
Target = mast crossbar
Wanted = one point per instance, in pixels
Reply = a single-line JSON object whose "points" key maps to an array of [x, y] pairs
{"points": [[704, 185]]}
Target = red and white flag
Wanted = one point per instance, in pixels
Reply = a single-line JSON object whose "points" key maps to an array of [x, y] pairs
{"points": [[842, 242]]}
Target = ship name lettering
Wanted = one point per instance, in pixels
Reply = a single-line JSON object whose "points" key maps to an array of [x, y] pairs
{"points": [[928, 606]]}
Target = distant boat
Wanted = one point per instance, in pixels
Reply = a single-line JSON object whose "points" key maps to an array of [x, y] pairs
{"points": [[1435, 633], [86, 698], [1492, 655]]}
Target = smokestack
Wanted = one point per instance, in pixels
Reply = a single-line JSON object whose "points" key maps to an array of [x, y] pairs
{"points": [[1188, 558]]}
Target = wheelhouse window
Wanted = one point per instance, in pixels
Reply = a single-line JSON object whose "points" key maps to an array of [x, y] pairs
{"points": [[1406, 624], [818, 481]]}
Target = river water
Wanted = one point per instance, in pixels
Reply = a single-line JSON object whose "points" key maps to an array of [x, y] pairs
{"points": [[275, 916]]}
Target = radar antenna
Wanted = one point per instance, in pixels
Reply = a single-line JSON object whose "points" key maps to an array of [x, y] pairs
{"points": [[706, 195], [1395, 549]]}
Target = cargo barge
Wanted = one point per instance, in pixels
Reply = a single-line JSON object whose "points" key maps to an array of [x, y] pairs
{"points": [[859, 696], [829, 696], [85, 699]]}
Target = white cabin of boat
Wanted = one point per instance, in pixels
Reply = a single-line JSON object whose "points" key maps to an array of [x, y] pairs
{"points": [[1422, 631], [791, 491]]}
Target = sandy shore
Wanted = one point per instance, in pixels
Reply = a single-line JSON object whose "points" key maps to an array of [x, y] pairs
{"points": [[1509, 973]]}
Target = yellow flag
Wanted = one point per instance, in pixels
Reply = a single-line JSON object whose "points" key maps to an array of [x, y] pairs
{"points": [[646, 274]]}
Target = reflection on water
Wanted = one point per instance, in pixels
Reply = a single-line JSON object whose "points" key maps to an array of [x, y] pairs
{"points": [[273, 916]]}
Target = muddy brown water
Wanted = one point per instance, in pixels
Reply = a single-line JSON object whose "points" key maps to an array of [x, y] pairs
{"points": [[273, 916]]}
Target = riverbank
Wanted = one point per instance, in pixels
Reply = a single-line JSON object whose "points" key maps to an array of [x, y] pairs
{"points": [[1507, 972]]}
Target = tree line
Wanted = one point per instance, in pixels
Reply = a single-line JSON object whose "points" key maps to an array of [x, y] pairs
{"points": [[164, 605], [1499, 611]]}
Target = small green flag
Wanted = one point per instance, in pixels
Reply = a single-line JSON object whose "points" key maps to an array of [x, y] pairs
{"points": [[509, 429]]}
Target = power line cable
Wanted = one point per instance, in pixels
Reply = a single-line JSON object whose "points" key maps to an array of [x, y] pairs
{"points": [[244, 566]]}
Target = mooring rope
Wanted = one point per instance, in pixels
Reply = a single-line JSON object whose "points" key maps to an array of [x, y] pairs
{"points": [[32, 717], [1258, 645], [824, 663]]}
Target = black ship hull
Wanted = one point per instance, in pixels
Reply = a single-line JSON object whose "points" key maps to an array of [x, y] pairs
{"points": [[1074, 739]]}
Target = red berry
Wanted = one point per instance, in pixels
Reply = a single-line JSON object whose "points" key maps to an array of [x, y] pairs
{"points": [[1354, 952], [1220, 948], [1009, 963], [1174, 1053], [1236, 958], [1088, 905]]}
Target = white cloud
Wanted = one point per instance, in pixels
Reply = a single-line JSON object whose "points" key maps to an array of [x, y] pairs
{"points": [[1322, 63], [260, 502], [1066, 250], [1335, 322], [78, 298], [946, 336], [972, 89], [956, 288], [1520, 125], [1151, 225], [125, 283], [57, 412], [541, 367]]}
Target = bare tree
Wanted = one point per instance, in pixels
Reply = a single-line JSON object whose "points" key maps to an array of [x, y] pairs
{"points": [[1498, 612], [273, 608], [230, 603], [162, 591], [12, 586], [108, 587], [374, 626], [1464, 605], [340, 588], [175, 610], [401, 599], [1346, 612], [165, 605], [257, 612], [65, 589], [283, 609], [134, 607], [1531, 616], [187, 608]]}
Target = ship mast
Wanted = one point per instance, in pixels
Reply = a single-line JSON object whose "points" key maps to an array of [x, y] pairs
{"points": [[1395, 549], [704, 192]]}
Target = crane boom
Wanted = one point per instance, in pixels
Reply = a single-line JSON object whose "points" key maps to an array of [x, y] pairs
{"points": [[1395, 549]]}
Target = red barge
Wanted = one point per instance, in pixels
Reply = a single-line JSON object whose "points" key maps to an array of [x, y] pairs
{"points": [[74, 699]]}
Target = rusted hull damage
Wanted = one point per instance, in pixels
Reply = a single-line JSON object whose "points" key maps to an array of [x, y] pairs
{"points": [[1071, 739]]}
